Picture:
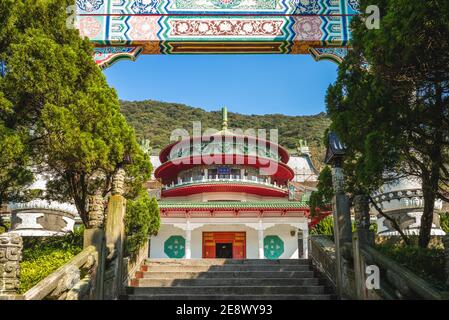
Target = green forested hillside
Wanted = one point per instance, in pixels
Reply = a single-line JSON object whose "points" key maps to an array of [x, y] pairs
{"points": [[155, 121]]}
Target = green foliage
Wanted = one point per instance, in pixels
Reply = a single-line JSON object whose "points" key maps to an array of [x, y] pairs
{"points": [[389, 104], [142, 220], [155, 120], [425, 262], [42, 256], [444, 222], [15, 175], [323, 196], [325, 227]]}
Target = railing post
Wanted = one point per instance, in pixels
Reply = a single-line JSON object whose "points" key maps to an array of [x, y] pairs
{"points": [[360, 239], [94, 236], [10, 256], [362, 219], [340, 207], [115, 236]]}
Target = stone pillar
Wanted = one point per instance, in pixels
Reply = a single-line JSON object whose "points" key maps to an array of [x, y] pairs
{"points": [[342, 223], [188, 241], [260, 235], [10, 256], [114, 237], [362, 218], [261, 249], [305, 243], [94, 235], [446, 255], [341, 207]]}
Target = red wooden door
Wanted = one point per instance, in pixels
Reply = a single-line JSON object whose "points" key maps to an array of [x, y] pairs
{"points": [[238, 240]]}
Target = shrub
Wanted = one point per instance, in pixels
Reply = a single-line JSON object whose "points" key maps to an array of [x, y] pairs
{"points": [[141, 221], [444, 222], [424, 262], [42, 256], [326, 227]]}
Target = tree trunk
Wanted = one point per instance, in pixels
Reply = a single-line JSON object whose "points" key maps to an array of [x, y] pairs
{"points": [[427, 217], [430, 182]]}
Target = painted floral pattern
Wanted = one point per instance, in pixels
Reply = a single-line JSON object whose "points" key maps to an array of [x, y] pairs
{"points": [[306, 6], [144, 27], [228, 27], [307, 28], [89, 27], [145, 6], [89, 5]]}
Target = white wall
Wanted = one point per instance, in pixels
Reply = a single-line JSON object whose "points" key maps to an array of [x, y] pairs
{"points": [[252, 247], [157, 242]]}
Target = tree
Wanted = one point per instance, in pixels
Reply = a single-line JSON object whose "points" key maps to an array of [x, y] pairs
{"points": [[141, 221], [61, 100], [390, 102], [323, 196]]}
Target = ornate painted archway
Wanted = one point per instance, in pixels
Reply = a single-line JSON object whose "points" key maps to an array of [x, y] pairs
{"points": [[125, 29]]}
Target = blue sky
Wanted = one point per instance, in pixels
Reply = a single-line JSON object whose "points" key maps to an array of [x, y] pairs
{"points": [[248, 84]]}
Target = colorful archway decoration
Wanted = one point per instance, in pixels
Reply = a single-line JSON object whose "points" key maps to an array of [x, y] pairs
{"points": [[127, 28], [273, 247], [175, 247]]}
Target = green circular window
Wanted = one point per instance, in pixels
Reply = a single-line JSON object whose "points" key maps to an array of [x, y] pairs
{"points": [[273, 247], [175, 247]]}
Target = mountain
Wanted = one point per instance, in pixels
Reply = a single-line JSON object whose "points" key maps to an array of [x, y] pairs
{"points": [[156, 120]]}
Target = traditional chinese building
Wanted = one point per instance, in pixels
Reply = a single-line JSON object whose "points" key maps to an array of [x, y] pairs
{"points": [[228, 196]]}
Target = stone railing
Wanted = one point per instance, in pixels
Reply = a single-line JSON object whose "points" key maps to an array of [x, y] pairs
{"points": [[322, 253], [73, 281], [94, 274], [396, 282], [132, 265]]}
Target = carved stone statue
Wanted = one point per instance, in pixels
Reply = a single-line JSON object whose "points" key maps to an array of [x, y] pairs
{"points": [[118, 182], [96, 211], [10, 256]]}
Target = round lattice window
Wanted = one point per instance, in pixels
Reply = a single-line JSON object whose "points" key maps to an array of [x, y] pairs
{"points": [[273, 247], [175, 247]]}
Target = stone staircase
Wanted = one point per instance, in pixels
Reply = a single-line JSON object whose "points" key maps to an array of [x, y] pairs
{"points": [[225, 279]]}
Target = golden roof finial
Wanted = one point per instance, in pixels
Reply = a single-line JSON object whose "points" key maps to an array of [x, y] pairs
{"points": [[224, 113]]}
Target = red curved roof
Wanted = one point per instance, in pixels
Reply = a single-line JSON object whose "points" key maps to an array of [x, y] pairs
{"points": [[169, 170], [225, 187], [283, 153]]}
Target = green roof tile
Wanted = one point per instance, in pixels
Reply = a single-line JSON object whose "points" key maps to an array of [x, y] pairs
{"points": [[234, 204]]}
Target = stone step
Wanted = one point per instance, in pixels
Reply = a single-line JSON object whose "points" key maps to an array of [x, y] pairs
{"points": [[228, 290], [225, 274], [206, 268], [230, 297], [196, 262], [148, 282]]}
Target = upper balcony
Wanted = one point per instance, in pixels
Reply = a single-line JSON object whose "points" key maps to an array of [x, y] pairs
{"points": [[262, 186]]}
